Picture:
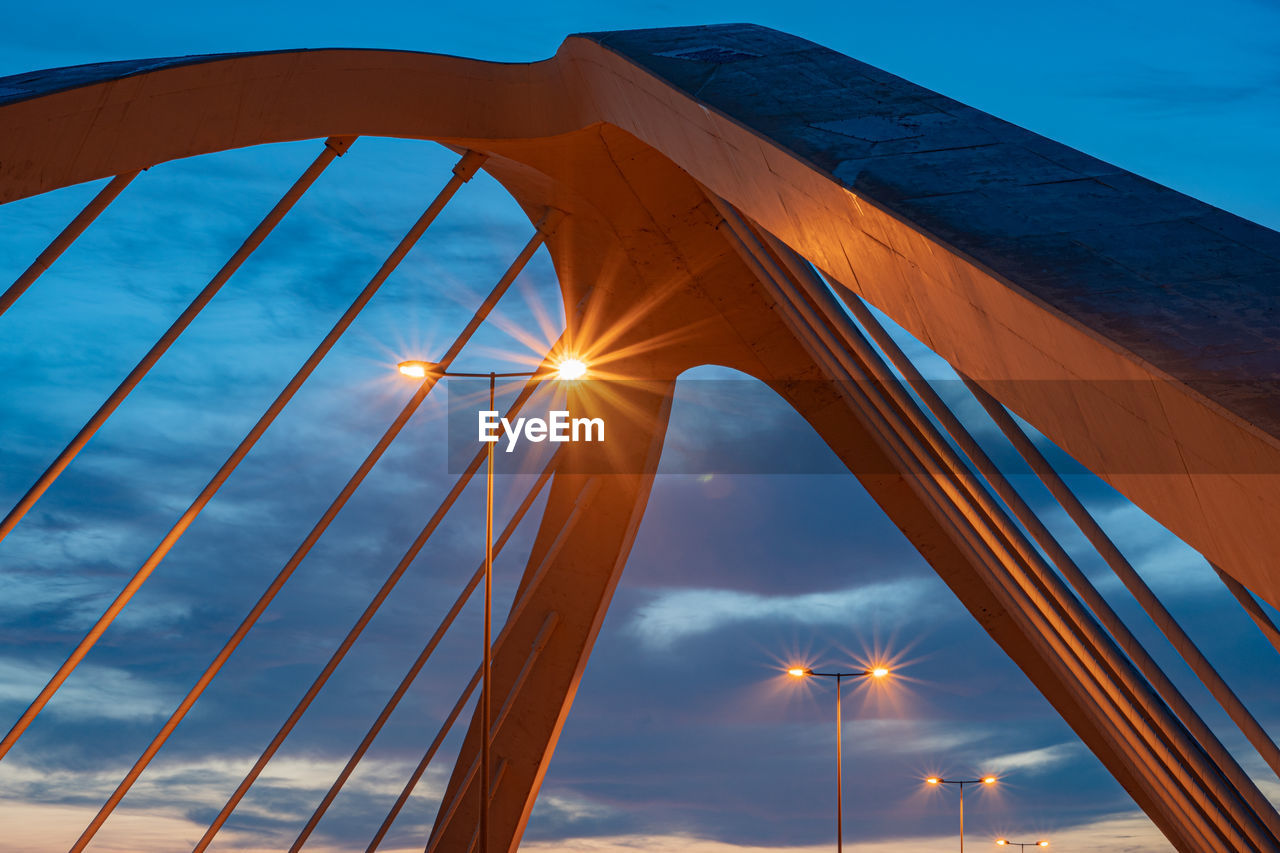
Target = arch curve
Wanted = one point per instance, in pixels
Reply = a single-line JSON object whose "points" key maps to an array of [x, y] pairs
{"points": [[644, 150]]}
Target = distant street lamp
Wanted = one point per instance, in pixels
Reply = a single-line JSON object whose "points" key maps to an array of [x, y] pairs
{"points": [[566, 370], [985, 780], [1023, 845], [805, 672]]}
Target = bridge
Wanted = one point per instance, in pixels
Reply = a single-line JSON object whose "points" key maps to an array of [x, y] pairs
{"points": [[735, 196]]}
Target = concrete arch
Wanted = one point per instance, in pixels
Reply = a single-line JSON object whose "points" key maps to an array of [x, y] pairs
{"points": [[634, 137], [1106, 361]]}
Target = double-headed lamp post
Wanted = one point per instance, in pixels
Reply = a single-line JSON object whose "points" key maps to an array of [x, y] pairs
{"points": [[805, 672], [567, 369], [1004, 842], [985, 780]]}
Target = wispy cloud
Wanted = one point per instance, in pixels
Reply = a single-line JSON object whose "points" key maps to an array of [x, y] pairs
{"points": [[97, 692], [178, 795], [1123, 833], [1035, 760], [676, 615]]}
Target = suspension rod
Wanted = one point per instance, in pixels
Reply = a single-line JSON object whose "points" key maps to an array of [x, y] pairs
{"points": [[341, 652], [463, 171], [539, 643], [1050, 603], [64, 240], [333, 148], [523, 597], [338, 503], [416, 775], [1150, 765], [422, 658], [1042, 582], [498, 772], [1106, 614], [1251, 606], [1129, 576]]}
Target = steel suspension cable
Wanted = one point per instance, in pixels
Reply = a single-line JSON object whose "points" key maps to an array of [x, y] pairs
{"points": [[528, 583], [463, 172], [1032, 585], [333, 148], [517, 609], [418, 771], [1251, 606], [488, 786], [1129, 576], [348, 641], [1106, 614], [422, 658], [329, 514], [64, 239], [1041, 589], [1038, 590]]}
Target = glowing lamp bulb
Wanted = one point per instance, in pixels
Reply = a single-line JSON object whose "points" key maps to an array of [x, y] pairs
{"points": [[933, 780], [1001, 842], [988, 780], [798, 671], [570, 369], [1042, 843], [415, 369], [879, 672]]}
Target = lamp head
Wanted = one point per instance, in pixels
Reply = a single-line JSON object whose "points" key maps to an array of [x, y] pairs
{"points": [[1042, 843], [570, 369], [933, 780], [988, 780], [415, 369], [1002, 842], [799, 671], [878, 672]]}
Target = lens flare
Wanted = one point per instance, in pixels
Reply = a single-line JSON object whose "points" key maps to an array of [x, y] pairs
{"points": [[570, 369], [415, 369]]}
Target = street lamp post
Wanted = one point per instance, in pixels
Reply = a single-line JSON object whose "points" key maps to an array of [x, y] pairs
{"points": [[567, 369], [1022, 845], [985, 780], [805, 672]]}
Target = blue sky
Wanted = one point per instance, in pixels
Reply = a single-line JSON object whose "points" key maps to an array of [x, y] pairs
{"points": [[683, 737]]}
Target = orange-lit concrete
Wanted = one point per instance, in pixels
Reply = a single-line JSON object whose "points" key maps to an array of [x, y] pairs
{"points": [[625, 155], [985, 324]]}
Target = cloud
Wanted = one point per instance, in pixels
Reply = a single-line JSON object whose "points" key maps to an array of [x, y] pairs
{"points": [[95, 692], [173, 799], [76, 334], [677, 615], [31, 827], [37, 828], [1035, 760], [1129, 832], [573, 808]]}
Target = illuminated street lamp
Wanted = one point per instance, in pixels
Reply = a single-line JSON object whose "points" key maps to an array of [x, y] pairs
{"points": [[985, 780], [1023, 845], [567, 369], [805, 672]]}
